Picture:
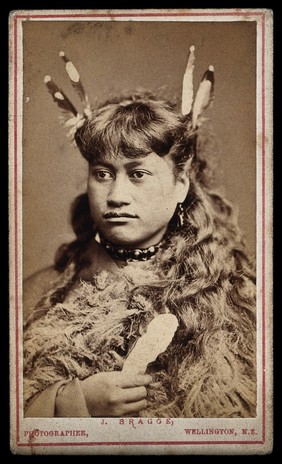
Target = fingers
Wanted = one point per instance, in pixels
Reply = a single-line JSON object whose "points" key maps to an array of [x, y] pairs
{"points": [[115, 394], [137, 380], [130, 395], [130, 408]]}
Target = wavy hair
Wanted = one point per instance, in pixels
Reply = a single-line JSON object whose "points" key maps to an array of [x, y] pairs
{"points": [[208, 280]]}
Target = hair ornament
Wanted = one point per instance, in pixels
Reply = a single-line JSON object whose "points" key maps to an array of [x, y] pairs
{"points": [[60, 97], [70, 117], [76, 83], [187, 87], [204, 95]]}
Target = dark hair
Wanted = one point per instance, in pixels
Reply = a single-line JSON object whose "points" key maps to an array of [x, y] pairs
{"points": [[135, 127], [208, 279]]}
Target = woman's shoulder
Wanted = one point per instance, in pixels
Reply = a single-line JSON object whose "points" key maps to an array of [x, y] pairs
{"points": [[35, 286]]}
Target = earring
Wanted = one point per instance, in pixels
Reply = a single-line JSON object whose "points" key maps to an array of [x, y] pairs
{"points": [[180, 216]]}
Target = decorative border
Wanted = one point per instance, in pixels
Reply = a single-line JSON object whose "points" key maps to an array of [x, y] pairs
{"points": [[17, 19]]}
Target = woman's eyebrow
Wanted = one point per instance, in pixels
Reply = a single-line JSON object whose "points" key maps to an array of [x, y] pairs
{"points": [[107, 164], [134, 164], [100, 162], [134, 152]]}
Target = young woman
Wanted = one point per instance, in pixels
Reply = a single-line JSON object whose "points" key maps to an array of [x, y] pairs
{"points": [[151, 238]]}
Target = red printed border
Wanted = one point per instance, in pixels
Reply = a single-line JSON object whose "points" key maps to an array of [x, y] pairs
{"points": [[251, 14], [137, 15]]}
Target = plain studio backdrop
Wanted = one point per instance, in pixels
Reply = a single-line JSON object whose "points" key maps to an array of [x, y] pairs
{"points": [[114, 57]]}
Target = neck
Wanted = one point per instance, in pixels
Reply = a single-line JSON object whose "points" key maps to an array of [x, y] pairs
{"points": [[132, 254]]}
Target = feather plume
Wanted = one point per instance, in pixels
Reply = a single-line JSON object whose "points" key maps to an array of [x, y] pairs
{"points": [[59, 97], [69, 117], [75, 80], [155, 341], [187, 87], [204, 95]]}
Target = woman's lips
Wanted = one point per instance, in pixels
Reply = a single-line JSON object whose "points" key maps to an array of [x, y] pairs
{"points": [[121, 215], [120, 220]]}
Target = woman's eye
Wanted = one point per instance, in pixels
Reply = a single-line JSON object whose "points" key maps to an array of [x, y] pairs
{"points": [[138, 174], [103, 175]]}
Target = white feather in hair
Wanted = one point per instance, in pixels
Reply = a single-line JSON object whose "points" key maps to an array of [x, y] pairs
{"points": [[187, 87], [205, 95]]}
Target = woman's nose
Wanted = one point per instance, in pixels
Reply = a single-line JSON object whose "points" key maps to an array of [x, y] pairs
{"points": [[119, 193]]}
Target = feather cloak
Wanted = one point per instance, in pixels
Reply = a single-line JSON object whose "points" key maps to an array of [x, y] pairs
{"points": [[95, 327]]}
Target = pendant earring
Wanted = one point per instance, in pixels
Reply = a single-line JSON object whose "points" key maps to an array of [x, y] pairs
{"points": [[180, 216]]}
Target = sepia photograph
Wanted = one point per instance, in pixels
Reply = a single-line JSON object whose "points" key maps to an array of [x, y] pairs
{"points": [[140, 231]]}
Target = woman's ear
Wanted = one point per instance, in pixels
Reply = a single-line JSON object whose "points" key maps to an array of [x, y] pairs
{"points": [[183, 181], [183, 184]]}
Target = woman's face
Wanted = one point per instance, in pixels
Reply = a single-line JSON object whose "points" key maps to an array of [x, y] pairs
{"points": [[133, 200]]}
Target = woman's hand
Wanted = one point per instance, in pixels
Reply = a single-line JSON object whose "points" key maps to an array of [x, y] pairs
{"points": [[115, 393]]}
